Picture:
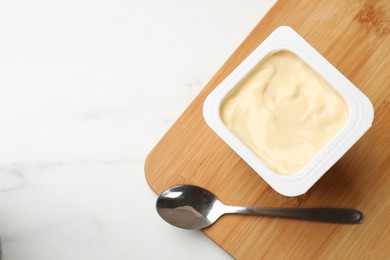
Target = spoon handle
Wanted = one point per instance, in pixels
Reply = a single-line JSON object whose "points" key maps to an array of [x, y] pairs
{"points": [[331, 215]]}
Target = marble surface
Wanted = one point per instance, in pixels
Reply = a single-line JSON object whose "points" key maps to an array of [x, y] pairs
{"points": [[87, 88]]}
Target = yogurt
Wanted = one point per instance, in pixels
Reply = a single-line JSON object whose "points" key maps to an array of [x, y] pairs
{"points": [[284, 112], [288, 112]]}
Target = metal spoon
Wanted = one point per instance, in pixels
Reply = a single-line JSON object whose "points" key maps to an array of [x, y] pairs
{"points": [[192, 207]]}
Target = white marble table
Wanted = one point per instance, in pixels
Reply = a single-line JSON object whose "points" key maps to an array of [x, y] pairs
{"points": [[87, 88]]}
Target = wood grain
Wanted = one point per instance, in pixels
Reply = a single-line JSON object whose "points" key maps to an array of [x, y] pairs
{"points": [[355, 37]]}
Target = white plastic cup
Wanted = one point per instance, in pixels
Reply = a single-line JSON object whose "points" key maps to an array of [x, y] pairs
{"points": [[361, 113]]}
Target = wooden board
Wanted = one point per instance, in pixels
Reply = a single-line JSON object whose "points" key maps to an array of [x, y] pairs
{"points": [[355, 37]]}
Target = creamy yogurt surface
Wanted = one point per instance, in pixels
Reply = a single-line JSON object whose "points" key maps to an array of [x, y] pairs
{"points": [[284, 112]]}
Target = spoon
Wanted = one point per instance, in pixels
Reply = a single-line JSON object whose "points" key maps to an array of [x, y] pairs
{"points": [[192, 207]]}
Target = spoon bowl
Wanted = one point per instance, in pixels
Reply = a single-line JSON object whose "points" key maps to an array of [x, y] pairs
{"points": [[193, 207]]}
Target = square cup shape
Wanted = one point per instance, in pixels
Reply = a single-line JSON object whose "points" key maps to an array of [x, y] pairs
{"points": [[360, 117]]}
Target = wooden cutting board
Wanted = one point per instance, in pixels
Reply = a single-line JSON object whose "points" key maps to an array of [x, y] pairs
{"points": [[355, 37]]}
